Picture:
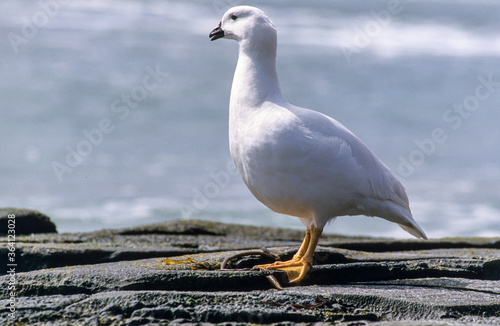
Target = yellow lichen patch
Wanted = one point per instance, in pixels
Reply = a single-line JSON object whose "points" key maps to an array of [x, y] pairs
{"points": [[171, 262], [198, 269]]}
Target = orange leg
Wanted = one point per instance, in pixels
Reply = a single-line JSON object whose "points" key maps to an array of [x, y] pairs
{"points": [[301, 262]]}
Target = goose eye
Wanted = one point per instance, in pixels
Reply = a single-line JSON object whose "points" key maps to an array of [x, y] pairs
{"points": [[234, 17]]}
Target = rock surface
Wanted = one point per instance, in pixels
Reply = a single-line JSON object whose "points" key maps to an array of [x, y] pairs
{"points": [[25, 221], [170, 273]]}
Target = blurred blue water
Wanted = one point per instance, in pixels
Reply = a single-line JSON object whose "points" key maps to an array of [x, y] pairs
{"points": [[114, 113]]}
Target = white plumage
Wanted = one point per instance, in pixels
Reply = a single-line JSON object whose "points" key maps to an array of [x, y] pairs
{"points": [[294, 160]]}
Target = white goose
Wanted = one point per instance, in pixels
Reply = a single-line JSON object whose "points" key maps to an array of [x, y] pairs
{"points": [[294, 160]]}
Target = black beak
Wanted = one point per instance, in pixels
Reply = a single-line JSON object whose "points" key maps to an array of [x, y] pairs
{"points": [[217, 33]]}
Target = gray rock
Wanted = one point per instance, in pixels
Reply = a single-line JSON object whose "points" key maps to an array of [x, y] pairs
{"points": [[24, 221], [155, 240], [366, 282]]}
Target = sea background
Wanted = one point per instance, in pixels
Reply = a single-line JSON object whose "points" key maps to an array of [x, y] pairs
{"points": [[417, 81]]}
